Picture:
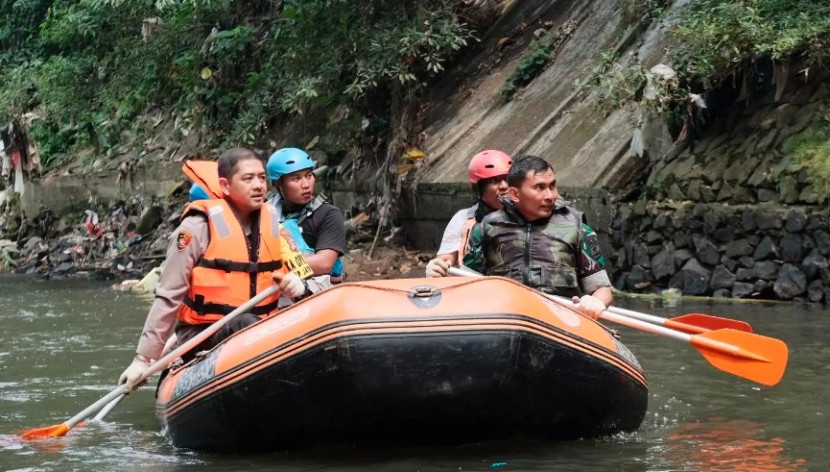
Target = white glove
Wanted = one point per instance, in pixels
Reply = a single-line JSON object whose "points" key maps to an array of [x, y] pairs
{"points": [[590, 306], [437, 267], [133, 372], [292, 285]]}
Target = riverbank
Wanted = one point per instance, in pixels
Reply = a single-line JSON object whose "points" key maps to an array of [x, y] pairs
{"points": [[125, 241]]}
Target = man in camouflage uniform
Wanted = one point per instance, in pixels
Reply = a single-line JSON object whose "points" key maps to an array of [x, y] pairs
{"points": [[538, 239]]}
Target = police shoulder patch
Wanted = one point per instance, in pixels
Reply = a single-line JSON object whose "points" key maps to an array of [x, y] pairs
{"points": [[183, 240]]}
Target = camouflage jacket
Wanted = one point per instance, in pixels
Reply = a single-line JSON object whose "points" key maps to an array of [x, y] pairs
{"points": [[559, 255]]}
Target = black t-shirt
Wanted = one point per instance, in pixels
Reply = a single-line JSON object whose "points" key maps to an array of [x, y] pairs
{"points": [[325, 229]]}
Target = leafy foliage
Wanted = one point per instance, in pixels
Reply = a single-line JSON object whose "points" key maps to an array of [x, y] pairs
{"points": [[225, 68], [529, 68], [718, 37], [812, 151]]}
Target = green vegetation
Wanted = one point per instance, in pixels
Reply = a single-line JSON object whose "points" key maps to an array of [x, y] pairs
{"points": [[529, 68], [721, 37], [812, 151], [716, 40], [614, 83], [227, 69]]}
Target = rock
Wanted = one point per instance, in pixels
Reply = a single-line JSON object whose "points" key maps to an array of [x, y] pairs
{"points": [[741, 290], [765, 270], [693, 191], [745, 275], [725, 193], [725, 234], [808, 195], [707, 252], [653, 237], [707, 193], [767, 195], [746, 261], [767, 218], [815, 291], [822, 241], [766, 250], [791, 282], [729, 263], [796, 221], [722, 278], [814, 262], [662, 264], [763, 288], [721, 293], [787, 190], [791, 248], [641, 256], [682, 239], [693, 279], [748, 220], [675, 193], [661, 221], [639, 278], [739, 248]]}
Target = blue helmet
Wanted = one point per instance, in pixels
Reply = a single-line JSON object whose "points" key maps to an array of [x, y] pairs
{"points": [[198, 193], [287, 160]]}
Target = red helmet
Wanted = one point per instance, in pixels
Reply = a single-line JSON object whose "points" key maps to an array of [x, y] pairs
{"points": [[489, 163]]}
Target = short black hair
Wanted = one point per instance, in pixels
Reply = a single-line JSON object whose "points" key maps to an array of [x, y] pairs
{"points": [[524, 165], [229, 159]]}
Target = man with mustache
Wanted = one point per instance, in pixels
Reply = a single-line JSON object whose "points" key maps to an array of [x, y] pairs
{"points": [[225, 251], [538, 239]]}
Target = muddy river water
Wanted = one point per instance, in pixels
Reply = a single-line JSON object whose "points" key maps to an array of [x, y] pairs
{"points": [[64, 344]]}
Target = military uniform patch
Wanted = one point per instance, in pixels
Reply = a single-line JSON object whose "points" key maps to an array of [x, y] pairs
{"points": [[183, 240]]}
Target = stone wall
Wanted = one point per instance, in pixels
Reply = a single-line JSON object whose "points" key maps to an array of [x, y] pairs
{"points": [[734, 216]]}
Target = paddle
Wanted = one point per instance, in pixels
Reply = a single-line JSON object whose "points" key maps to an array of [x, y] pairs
{"points": [[751, 356], [161, 364], [693, 323]]}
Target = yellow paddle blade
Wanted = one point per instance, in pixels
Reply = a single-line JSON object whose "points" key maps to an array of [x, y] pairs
{"points": [[751, 356], [46, 432]]}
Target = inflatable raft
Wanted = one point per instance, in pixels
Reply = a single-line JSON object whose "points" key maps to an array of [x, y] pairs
{"points": [[409, 361]]}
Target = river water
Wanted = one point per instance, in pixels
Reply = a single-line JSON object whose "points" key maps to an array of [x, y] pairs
{"points": [[64, 344]]}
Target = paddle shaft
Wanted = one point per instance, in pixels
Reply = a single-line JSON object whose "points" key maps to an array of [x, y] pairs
{"points": [[108, 408], [162, 363], [622, 317], [701, 323]]}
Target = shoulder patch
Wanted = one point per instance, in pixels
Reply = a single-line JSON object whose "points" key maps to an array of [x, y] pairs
{"points": [[183, 239]]}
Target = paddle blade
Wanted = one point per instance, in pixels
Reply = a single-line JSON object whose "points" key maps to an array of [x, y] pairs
{"points": [[709, 322], [751, 356], [44, 433]]}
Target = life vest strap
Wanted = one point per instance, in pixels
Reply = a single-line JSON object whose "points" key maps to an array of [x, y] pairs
{"points": [[247, 267], [202, 308]]}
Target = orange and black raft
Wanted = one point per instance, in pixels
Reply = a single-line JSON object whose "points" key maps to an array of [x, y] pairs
{"points": [[407, 361]]}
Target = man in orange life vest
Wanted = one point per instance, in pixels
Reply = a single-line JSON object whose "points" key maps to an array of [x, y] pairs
{"points": [[223, 253], [487, 174]]}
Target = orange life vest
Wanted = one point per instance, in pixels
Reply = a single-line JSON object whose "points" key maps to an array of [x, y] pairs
{"points": [[230, 273]]}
